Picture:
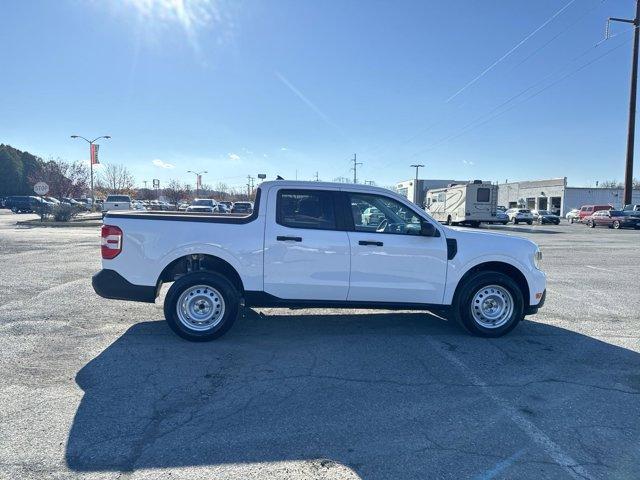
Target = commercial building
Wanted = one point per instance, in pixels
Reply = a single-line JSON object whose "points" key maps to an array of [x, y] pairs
{"points": [[416, 190], [554, 195]]}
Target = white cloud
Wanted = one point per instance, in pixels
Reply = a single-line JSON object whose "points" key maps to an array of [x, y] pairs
{"points": [[468, 162], [160, 164], [234, 157], [284, 149]]}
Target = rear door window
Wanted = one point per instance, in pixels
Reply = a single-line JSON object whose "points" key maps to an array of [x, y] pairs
{"points": [[312, 209], [484, 195]]}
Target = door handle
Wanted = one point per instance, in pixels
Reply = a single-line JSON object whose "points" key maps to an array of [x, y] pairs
{"points": [[370, 242], [282, 238]]}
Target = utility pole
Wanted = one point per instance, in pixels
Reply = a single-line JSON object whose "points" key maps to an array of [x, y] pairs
{"points": [[315, 177], [145, 184], [249, 185], [415, 183], [628, 173], [355, 168]]}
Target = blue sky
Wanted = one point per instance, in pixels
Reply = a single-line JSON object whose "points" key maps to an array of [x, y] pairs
{"points": [[279, 87]]}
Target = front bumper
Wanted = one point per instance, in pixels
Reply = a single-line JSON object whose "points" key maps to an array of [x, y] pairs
{"points": [[533, 309], [110, 284]]}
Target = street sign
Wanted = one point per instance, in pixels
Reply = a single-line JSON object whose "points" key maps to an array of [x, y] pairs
{"points": [[41, 188], [262, 176], [156, 183]]}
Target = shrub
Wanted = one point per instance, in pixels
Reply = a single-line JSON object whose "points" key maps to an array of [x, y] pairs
{"points": [[64, 212]]}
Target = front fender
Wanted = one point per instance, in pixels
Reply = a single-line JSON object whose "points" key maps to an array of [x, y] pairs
{"points": [[458, 267]]}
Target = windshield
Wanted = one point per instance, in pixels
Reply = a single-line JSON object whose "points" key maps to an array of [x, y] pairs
{"points": [[117, 198], [544, 212]]}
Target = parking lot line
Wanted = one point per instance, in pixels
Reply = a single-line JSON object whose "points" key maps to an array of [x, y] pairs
{"points": [[501, 465], [532, 431], [600, 268]]}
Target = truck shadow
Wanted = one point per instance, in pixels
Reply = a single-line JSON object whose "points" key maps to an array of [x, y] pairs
{"points": [[363, 391]]}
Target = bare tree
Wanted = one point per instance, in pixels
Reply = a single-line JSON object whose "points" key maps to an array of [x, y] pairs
{"points": [[174, 191], [610, 184], [223, 190], [64, 179], [116, 178]]}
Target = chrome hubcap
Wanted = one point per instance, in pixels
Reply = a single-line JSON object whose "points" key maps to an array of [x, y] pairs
{"points": [[200, 308], [492, 306]]}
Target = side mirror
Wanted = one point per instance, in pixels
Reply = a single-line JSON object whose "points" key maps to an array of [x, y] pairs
{"points": [[427, 229]]}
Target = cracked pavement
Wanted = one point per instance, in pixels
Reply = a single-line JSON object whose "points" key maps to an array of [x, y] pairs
{"points": [[101, 389]]}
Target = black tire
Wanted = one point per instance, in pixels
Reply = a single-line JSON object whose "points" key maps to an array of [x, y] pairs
{"points": [[230, 297], [449, 222], [474, 224], [515, 222], [504, 223], [616, 224], [530, 222], [462, 303], [591, 224]]}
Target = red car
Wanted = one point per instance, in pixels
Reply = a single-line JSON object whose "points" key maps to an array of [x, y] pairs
{"points": [[613, 219], [588, 210]]}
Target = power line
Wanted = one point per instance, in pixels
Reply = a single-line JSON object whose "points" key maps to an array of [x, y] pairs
{"points": [[473, 125], [443, 118], [510, 51]]}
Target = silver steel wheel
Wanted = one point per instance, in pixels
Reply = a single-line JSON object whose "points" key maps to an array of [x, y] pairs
{"points": [[200, 308], [492, 306]]}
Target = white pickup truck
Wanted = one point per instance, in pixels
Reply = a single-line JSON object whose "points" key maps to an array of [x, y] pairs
{"points": [[306, 245], [116, 202]]}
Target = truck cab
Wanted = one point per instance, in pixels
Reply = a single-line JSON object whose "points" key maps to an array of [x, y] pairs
{"points": [[313, 244]]}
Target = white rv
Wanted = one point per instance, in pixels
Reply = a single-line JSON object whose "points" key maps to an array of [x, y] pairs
{"points": [[470, 203]]}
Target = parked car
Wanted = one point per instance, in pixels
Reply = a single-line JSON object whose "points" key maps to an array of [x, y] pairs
{"points": [[203, 205], [299, 249], [116, 202], [137, 205], [501, 208], [520, 215], [588, 210], [201, 209], [634, 207], [242, 207], [28, 204], [613, 219], [372, 216], [227, 204], [501, 217], [221, 208], [545, 217], [160, 205], [182, 207], [573, 215]]}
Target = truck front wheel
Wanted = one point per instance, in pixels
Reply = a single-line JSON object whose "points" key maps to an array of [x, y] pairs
{"points": [[201, 306], [489, 304]]}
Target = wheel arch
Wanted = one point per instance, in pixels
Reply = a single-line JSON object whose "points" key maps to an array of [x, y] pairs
{"points": [[497, 266], [201, 262]]}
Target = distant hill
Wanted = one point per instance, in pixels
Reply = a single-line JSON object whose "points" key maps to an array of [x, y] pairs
{"points": [[16, 168]]}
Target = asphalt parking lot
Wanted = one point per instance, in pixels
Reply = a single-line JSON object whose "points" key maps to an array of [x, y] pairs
{"points": [[93, 388]]}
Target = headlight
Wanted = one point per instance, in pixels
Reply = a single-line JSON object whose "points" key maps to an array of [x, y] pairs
{"points": [[537, 259]]}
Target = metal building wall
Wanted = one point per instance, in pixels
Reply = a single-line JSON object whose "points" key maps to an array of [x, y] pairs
{"points": [[575, 197]]}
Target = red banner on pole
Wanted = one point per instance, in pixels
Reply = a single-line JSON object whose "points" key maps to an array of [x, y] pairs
{"points": [[94, 154]]}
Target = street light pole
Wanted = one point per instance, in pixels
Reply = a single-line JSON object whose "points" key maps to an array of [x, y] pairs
{"points": [[415, 183], [197, 174], [90, 142]]}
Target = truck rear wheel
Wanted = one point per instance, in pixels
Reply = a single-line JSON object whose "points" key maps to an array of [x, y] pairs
{"points": [[201, 306], [489, 304]]}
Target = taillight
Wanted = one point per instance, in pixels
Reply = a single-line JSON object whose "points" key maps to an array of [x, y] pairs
{"points": [[111, 241]]}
